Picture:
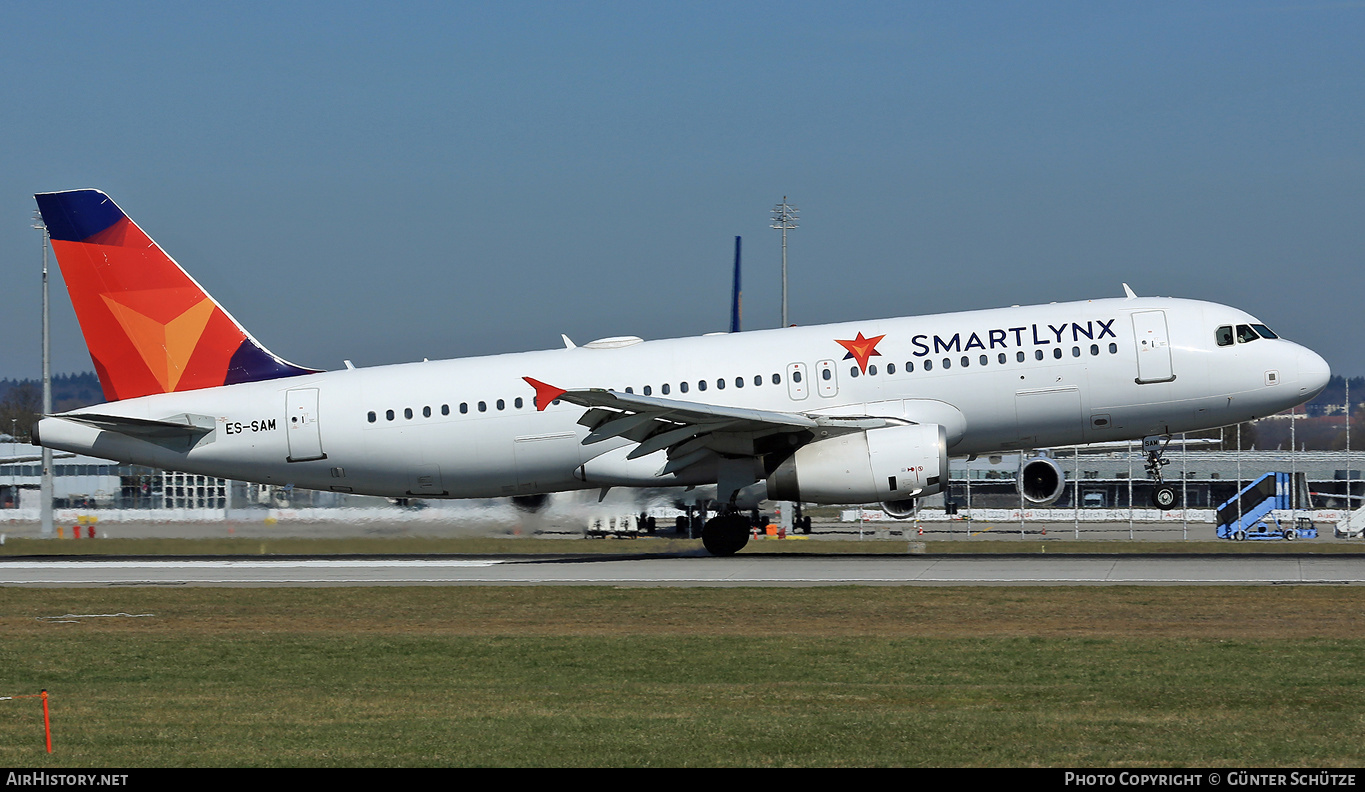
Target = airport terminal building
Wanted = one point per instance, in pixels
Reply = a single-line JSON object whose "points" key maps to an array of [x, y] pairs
{"points": [[1097, 480]]}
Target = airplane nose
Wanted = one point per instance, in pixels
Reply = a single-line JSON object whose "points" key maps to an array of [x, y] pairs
{"points": [[1313, 373]]}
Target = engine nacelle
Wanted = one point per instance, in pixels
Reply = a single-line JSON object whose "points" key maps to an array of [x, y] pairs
{"points": [[888, 464], [901, 509], [531, 503], [1041, 481]]}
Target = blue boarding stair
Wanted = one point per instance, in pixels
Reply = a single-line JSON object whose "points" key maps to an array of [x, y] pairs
{"points": [[1250, 514]]}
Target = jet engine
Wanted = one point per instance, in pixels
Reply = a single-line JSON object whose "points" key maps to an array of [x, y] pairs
{"points": [[531, 503], [892, 463], [901, 509], [1041, 482]]}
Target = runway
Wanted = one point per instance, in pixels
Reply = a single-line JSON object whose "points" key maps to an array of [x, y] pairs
{"points": [[695, 570]]}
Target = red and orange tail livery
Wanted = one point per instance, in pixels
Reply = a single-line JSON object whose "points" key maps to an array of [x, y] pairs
{"points": [[149, 326]]}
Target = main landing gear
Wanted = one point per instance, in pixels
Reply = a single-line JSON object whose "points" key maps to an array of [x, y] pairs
{"points": [[1164, 496], [726, 533]]}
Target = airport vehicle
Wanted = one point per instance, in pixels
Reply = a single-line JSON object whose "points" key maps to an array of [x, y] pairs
{"points": [[621, 526], [1353, 527], [1251, 513], [855, 412]]}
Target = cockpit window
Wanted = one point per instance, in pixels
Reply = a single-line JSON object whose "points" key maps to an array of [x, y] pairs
{"points": [[1264, 331], [1245, 334], [1223, 335]]}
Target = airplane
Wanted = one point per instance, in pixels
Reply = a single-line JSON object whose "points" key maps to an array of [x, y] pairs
{"points": [[854, 412]]}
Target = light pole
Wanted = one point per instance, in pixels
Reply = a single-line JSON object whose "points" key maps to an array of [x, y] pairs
{"points": [[784, 218], [45, 490]]}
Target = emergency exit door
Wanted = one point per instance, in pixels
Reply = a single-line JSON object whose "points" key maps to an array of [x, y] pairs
{"points": [[301, 425]]}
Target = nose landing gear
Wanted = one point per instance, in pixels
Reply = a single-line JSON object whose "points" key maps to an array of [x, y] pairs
{"points": [[1164, 496]]}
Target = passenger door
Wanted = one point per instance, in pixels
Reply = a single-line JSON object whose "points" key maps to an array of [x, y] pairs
{"points": [[305, 436], [1153, 347]]}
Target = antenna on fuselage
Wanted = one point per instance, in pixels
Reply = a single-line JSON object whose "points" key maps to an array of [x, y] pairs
{"points": [[1129, 292]]}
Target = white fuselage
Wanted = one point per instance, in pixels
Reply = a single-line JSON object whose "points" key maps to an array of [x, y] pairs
{"points": [[1092, 371]]}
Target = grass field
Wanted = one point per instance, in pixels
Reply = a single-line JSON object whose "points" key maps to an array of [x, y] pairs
{"points": [[571, 676]]}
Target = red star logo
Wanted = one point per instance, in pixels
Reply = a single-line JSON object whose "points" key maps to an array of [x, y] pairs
{"points": [[860, 349]]}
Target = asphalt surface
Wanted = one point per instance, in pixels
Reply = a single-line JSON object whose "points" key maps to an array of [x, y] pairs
{"points": [[694, 570]]}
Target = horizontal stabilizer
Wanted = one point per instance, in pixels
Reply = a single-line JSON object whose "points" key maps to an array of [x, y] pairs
{"points": [[176, 427], [17, 460]]}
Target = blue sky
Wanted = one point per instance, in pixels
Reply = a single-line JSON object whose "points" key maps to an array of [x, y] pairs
{"points": [[387, 182]]}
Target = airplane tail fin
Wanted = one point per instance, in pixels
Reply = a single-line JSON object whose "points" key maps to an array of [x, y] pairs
{"points": [[149, 326]]}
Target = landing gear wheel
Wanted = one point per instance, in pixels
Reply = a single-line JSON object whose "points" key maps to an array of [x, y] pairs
{"points": [[1164, 497], [725, 535]]}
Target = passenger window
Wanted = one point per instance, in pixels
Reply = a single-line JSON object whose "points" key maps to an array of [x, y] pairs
{"points": [[758, 379], [1057, 353], [483, 407], [518, 403], [664, 389], [853, 372], [1113, 348], [464, 408], [630, 390], [871, 371], [1037, 354], [1075, 351], [445, 409], [1094, 349], [372, 416], [985, 360], [426, 412], [682, 386], [649, 391], [928, 365], [1002, 358], [407, 412], [890, 368], [720, 384], [739, 382], [388, 415], [501, 404], [947, 363], [701, 385], [1019, 356], [966, 361], [777, 379], [1223, 335]]}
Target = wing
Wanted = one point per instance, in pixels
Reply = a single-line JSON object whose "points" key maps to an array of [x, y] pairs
{"points": [[691, 432], [14, 460]]}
